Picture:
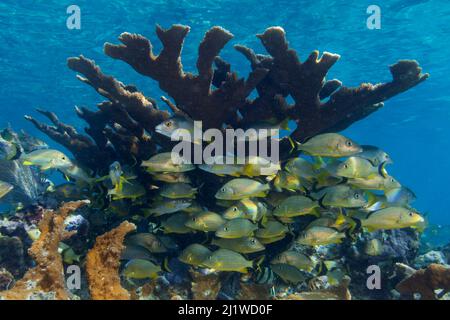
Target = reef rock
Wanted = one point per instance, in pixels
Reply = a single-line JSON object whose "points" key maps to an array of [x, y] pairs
{"points": [[428, 258]]}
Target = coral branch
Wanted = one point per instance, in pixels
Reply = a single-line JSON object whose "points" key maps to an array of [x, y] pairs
{"points": [[46, 280], [425, 282], [192, 93], [83, 148], [305, 82], [102, 264], [133, 102]]}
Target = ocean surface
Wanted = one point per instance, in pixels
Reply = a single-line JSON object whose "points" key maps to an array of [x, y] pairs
{"points": [[412, 127]]}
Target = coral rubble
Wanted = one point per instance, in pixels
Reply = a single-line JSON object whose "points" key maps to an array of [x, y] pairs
{"points": [[102, 264], [46, 279], [425, 282]]}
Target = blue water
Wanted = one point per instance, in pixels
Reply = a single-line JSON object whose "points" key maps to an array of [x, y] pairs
{"points": [[413, 127]]}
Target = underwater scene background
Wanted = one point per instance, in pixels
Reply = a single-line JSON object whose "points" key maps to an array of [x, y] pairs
{"points": [[412, 127]]}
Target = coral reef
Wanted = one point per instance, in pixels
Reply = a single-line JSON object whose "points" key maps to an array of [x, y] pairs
{"points": [[425, 282], [102, 264], [121, 135], [46, 279], [205, 286]]}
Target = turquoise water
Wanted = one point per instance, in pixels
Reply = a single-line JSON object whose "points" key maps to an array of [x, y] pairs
{"points": [[413, 127]]}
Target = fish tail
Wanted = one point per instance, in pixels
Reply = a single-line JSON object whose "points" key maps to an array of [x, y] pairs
{"points": [[285, 124], [165, 265], [258, 262]]}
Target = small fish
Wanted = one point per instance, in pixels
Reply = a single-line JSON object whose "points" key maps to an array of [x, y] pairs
{"points": [[356, 167], [176, 223], [377, 182], [148, 241], [341, 196], [222, 166], [271, 229], [171, 177], [180, 125], [375, 155], [167, 207], [264, 276], [194, 254], [178, 191], [47, 159], [34, 233], [239, 188], [295, 206], [227, 260], [68, 254], [259, 166], [236, 228], [392, 218], [402, 196], [264, 129], [246, 208], [77, 173], [8, 150], [205, 221], [270, 240], [373, 248], [162, 162], [287, 181], [288, 273], [5, 188], [242, 245], [69, 191], [317, 236], [132, 252], [295, 259], [132, 190], [141, 269], [331, 145], [301, 168]]}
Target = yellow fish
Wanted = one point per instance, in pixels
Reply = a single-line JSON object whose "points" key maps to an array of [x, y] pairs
{"points": [[318, 236], [141, 269], [296, 206], [194, 254], [239, 188], [331, 145], [205, 221], [236, 228], [163, 162], [242, 245], [392, 218]]}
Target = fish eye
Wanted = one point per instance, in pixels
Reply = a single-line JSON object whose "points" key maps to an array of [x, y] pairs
{"points": [[349, 143], [223, 190], [356, 195], [168, 124], [392, 180], [235, 209], [346, 166], [194, 219], [253, 241], [411, 213], [64, 158], [225, 228]]}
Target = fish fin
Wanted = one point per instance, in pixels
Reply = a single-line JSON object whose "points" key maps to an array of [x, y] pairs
{"points": [[285, 124], [100, 179], [318, 163], [243, 270], [27, 163], [371, 199], [382, 170], [316, 212], [165, 265], [257, 263], [248, 169], [294, 144]]}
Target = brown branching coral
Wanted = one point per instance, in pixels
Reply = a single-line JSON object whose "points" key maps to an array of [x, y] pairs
{"points": [[425, 282], [305, 82], [46, 280], [123, 127], [102, 264], [192, 93]]}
